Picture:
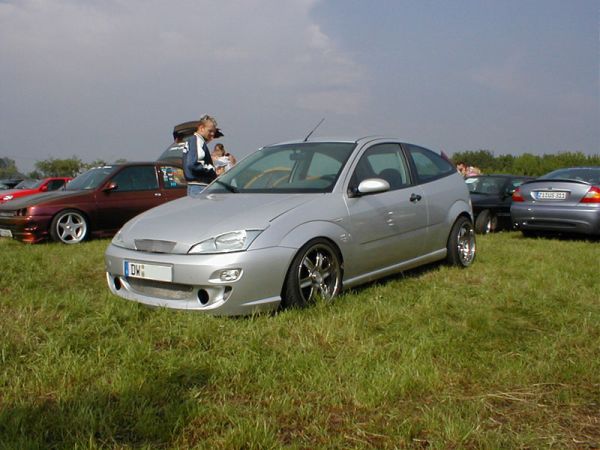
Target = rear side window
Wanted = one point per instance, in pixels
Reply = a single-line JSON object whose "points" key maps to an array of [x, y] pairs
{"points": [[172, 177], [429, 165]]}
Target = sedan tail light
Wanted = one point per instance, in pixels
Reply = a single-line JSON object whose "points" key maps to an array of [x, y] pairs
{"points": [[592, 196], [517, 196]]}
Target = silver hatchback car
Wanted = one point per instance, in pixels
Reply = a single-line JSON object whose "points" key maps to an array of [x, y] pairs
{"points": [[294, 222]]}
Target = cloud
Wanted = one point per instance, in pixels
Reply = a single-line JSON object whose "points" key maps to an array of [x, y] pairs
{"points": [[78, 62]]}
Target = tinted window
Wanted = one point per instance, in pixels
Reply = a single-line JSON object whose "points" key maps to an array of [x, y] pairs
{"points": [[384, 161], [589, 175], [429, 165], [53, 185], [136, 178]]}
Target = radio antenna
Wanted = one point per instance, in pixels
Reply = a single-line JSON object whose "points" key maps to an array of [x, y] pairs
{"points": [[313, 130]]}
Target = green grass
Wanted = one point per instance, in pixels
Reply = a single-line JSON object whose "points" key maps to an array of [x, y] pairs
{"points": [[505, 354]]}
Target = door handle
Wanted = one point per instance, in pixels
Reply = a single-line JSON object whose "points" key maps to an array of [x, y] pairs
{"points": [[415, 197]]}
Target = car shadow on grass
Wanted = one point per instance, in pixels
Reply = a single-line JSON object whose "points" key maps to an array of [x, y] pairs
{"points": [[149, 414]]}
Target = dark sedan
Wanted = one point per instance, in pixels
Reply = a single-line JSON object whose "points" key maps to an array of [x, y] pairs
{"points": [[563, 201], [96, 203], [491, 199]]}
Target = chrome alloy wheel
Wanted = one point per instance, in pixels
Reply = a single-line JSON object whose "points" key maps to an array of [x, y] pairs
{"points": [[70, 227], [465, 243], [319, 273]]}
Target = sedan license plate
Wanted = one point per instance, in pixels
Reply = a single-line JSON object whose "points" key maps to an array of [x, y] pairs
{"points": [[148, 271], [550, 195], [5, 233]]}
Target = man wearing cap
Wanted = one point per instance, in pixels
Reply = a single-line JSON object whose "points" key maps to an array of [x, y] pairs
{"points": [[197, 163]]}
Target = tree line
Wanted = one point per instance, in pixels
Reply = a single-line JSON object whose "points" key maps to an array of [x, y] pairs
{"points": [[525, 164], [52, 167]]}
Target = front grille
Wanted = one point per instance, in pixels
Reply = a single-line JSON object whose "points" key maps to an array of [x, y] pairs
{"points": [[154, 246], [160, 289]]}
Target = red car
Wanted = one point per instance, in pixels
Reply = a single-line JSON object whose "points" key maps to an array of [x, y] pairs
{"points": [[96, 203], [30, 187]]}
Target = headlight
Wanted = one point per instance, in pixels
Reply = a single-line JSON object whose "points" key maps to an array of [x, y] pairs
{"points": [[234, 241]]}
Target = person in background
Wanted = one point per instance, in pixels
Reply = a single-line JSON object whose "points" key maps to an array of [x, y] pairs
{"points": [[197, 163], [223, 160]]}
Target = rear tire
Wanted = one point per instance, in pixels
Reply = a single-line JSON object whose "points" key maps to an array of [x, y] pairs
{"points": [[315, 272], [69, 227], [461, 243], [487, 222]]}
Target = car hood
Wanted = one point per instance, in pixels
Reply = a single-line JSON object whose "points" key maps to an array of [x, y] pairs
{"points": [[188, 221], [38, 199]]}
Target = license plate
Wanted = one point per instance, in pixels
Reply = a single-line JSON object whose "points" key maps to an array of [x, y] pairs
{"points": [[5, 233], [148, 271], [551, 195]]}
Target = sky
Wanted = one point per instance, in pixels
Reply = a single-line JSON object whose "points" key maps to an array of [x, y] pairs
{"points": [[108, 79]]}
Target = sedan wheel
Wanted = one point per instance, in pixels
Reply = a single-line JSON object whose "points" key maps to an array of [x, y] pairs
{"points": [[69, 227], [461, 243], [315, 272]]}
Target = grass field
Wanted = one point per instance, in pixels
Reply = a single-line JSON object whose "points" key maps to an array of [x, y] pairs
{"points": [[505, 354]]}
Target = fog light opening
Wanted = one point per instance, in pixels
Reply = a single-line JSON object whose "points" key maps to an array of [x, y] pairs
{"points": [[203, 296], [117, 283], [226, 293]]}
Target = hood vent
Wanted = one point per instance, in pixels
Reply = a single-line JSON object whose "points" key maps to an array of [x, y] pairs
{"points": [[154, 246]]}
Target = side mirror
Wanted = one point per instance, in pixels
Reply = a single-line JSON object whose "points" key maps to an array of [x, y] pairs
{"points": [[44, 188], [370, 186], [110, 187]]}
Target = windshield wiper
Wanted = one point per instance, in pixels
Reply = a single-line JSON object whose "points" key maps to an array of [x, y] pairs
{"points": [[229, 187]]}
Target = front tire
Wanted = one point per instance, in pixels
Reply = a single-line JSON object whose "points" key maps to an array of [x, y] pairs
{"points": [[461, 243], [315, 272], [69, 227], [487, 222]]}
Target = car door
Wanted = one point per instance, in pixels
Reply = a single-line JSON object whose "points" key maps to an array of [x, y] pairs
{"points": [[437, 178], [388, 227], [129, 192]]}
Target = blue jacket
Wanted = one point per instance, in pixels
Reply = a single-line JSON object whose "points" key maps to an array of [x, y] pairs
{"points": [[197, 169]]}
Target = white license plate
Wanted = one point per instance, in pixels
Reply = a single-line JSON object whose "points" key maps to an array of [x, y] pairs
{"points": [[148, 271], [5, 233], [547, 195]]}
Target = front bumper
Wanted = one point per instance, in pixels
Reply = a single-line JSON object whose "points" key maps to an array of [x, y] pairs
{"points": [[195, 281], [578, 219], [29, 229]]}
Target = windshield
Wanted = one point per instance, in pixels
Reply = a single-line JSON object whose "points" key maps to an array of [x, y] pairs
{"points": [[91, 179], [588, 174], [29, 184], [288, 168]]}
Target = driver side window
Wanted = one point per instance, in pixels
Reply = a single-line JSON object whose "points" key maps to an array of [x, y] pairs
{"points": [[385, 161]]}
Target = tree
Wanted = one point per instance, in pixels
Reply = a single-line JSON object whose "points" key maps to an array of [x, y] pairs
{"points": [[8, 168], [59, 167]]}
